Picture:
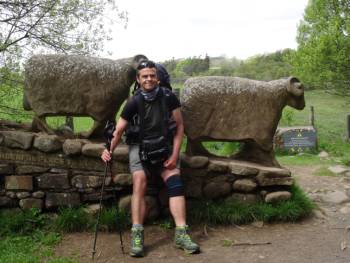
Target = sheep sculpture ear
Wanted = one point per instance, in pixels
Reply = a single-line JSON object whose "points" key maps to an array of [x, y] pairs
{"points": [[295, 87], [137, 60]]}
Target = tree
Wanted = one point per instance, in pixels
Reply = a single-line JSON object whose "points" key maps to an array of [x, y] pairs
{"points": [[267, 66], [322, 59], [60, 26], [192, 66]]}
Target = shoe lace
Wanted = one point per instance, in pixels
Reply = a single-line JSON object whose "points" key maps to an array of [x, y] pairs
{"points": [[186, 238], [137, 238]]}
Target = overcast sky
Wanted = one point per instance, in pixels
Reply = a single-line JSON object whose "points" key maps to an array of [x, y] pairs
{"points": [[163, 29]]}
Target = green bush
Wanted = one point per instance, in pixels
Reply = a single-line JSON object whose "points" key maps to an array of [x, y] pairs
{"points": [[72, 220], [21, 221], [288, 117], [113, 219]]}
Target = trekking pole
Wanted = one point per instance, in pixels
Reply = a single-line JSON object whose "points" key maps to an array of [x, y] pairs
{"points": [[108, 133], [120, 226], [99, 212]]}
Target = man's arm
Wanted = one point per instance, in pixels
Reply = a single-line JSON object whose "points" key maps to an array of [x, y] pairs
{"points": [[177, 116], [119, 129]]}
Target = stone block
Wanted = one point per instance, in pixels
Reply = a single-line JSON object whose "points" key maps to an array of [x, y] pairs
{"points": [[58, 171], [93, 149], [11, 194], [220, 178], [47, 143], [152, 208], [22, 195], [279, 196], [93, 209], [17, 139], [72, 147], [266, 181], [273, 172], [7, 202], [30, 169], [125, 203], [214, 190], [86, 190], [244, 169], [54, 200], [53, 181], [6, 169], [95, 196], [120, 168], [29, 203], [190, 172], [194, 161], [243, 198], [19, 182], [218, 166], [244, 185], [82, 182], [123, 179], [121, 153], [38, 194], [193, 188]]}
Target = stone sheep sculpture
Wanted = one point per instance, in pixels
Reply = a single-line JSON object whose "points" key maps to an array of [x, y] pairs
{"points": [[72, 85], [238, 109]]}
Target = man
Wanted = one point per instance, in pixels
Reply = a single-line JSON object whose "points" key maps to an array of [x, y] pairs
{"points": [[150, 105]]}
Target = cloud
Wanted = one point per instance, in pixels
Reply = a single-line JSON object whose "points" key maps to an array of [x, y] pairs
{"points": [[165, 29]]}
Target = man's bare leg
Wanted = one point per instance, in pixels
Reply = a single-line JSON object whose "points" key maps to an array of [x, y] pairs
{"points": [[138, 211], [138, 204]]}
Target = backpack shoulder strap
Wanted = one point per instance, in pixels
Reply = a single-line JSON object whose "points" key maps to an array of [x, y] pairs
{"points": [[140, 112], [164, 100]]}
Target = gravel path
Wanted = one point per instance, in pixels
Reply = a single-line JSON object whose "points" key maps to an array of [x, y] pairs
{"points": [[324, 238]]}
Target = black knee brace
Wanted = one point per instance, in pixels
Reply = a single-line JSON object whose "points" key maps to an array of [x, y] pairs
{"points": [[175, 186]]}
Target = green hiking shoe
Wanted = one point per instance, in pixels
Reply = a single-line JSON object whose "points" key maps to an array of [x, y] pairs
{"points": [[183, 240], [136, 242]]}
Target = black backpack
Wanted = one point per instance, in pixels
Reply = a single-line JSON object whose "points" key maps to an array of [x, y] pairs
{"points": [[135, 130]]}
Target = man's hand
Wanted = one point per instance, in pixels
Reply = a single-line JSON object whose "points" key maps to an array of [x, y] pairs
{"points": [[171, 162], [106, 156]]}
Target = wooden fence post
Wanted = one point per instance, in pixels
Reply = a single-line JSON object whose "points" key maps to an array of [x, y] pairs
{"points": [[348, 127], [312, 116]]}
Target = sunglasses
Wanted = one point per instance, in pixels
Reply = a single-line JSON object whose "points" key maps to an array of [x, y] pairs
{"points": [[146, 64]]}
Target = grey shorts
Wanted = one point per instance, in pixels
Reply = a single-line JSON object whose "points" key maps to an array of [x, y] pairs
{"points": [[134, 159]]}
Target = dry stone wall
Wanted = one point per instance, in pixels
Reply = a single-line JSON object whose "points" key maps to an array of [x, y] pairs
{"points": [[47, 172]]}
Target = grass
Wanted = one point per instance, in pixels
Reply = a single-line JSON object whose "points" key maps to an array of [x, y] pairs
{"points": [[228, 213], [30, 237], [302, 159], [114, 219], [23, 222], [35, 248], [330, 120], [72, 220]]}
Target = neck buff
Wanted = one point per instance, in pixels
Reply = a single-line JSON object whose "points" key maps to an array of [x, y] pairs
{"points": [[150, 95]]}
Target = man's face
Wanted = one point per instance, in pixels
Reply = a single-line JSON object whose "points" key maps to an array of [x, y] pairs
{"points": [[147, 78]]}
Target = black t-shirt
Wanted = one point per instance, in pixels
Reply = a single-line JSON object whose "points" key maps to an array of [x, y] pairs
{"points": [[153, 113]]}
